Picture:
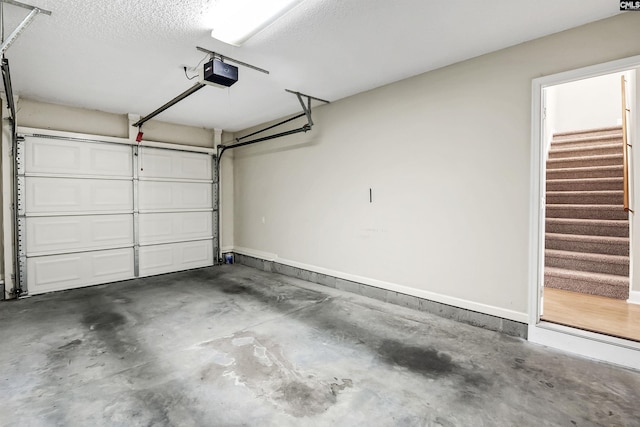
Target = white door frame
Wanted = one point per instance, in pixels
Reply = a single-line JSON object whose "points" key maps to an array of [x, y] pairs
{"points": [[588, 344]]}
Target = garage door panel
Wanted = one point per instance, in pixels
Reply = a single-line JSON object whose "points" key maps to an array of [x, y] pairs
{"points": [[167, 164], [159, 195], [58, 195], [174, 226], [111, 228], [111, 160], [46, 156], [77, 208], [160, 259], [57, 272], [74, 233]]}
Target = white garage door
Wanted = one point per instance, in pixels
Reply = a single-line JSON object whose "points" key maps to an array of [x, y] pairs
{"points": [[176, 211], [95, 212]]}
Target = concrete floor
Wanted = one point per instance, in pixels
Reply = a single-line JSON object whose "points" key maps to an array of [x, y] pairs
{"points": [[232, 345]]}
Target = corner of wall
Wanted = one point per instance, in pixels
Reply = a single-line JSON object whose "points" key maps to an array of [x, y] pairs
{"points": [[227, 209]]}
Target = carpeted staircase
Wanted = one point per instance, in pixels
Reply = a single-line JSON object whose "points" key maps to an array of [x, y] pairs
{"points": [[587, 229]]}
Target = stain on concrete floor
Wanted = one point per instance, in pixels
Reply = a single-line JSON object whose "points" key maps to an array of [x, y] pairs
{"points": [[231, 345]]}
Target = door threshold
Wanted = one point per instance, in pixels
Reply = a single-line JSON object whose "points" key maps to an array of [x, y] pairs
{"points": [[591, 345], [586, 329]]}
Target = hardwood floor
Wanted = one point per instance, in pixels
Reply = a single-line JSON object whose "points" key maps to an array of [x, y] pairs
{"points": [[593, 313]]}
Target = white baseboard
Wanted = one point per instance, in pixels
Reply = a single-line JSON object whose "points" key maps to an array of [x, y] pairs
{"points": [[431, 296], [427, 295], [255, 254], [587, 344], [634, 297]]}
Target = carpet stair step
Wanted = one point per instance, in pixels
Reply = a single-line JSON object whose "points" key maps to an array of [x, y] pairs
{"points": [[588, 133], [585, 211], [607, 285], [594, 244], [584, 261], [609, 171], [588, 227], [585, 161], [585, 184], [586, 141], [604, 197], [557, 152]]}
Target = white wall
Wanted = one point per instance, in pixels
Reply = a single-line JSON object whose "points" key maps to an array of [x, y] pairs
{"points": [[447, 154], [71, 119], [585, 104]]}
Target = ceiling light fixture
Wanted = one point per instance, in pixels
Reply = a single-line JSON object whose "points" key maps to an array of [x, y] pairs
{"points": [[236, 21]]}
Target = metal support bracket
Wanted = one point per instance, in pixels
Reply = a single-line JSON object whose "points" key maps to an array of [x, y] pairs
{"points": [[23, 25], [306, 108], [306, 111], [223, 58], [25, 6]]}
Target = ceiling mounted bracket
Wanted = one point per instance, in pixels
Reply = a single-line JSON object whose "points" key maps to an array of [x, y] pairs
{"points": [[224, 58], [24, 24], [306, 108], [306, 112]]}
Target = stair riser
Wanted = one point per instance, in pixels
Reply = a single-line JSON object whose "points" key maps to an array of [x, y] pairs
{"points": [[588, 133], [587, 141], [560, 211], [560, 153], [589, 229], [587, 265], [585, 199], [584, 162], [605, 248], [579, 174], [584, 185], [586, 287]]}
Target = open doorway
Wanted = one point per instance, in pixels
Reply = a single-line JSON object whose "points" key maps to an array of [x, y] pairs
{"points": [[574, 300], [587, 213]]}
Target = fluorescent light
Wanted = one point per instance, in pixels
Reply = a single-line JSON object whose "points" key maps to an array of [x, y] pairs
{"points": [[236, 21]]}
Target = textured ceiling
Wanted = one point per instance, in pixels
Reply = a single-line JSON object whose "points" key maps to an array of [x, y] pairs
{"points": [[126, 56]]}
